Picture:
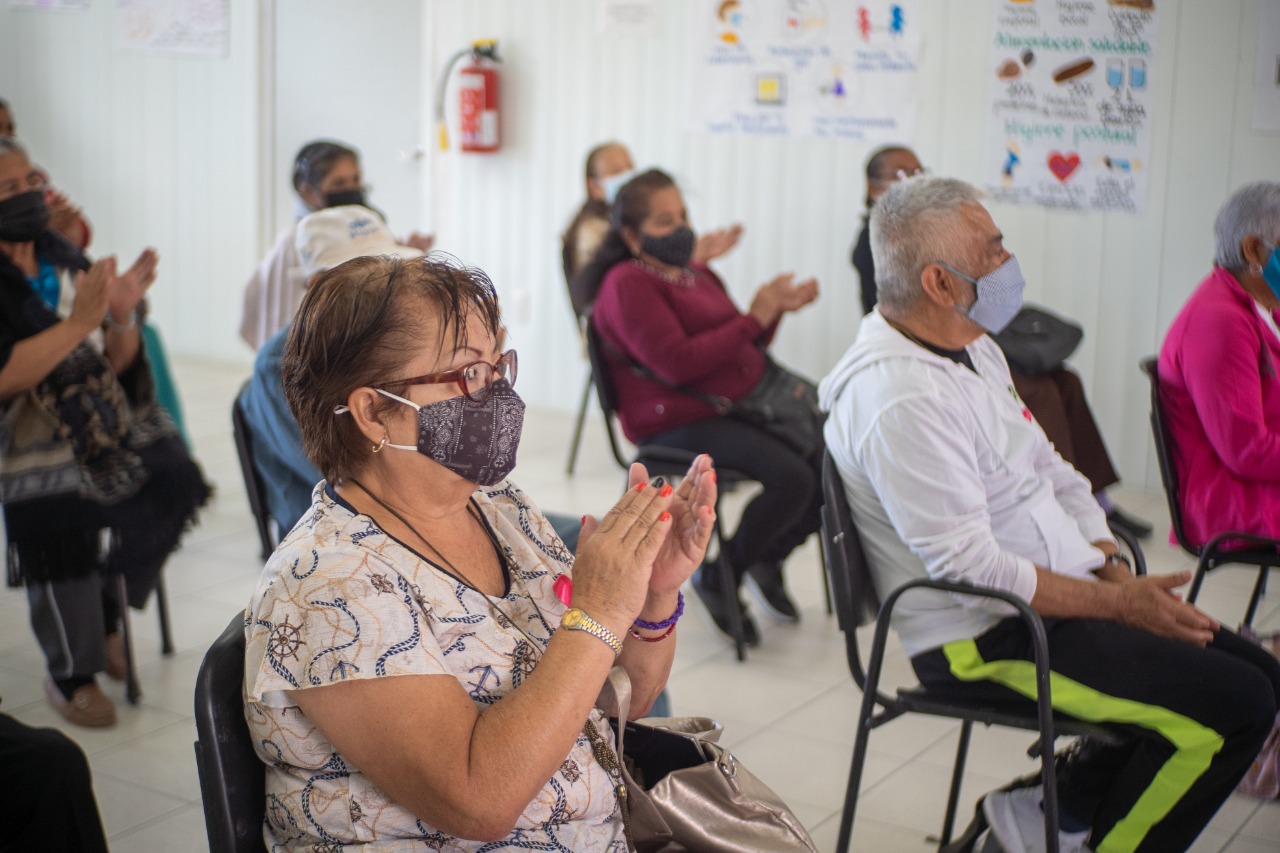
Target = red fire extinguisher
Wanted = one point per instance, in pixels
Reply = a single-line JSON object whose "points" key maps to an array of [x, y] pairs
{"points": [[478, 92]]}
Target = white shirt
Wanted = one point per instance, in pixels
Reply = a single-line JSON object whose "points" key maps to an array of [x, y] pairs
{"points": [[949, 476]]}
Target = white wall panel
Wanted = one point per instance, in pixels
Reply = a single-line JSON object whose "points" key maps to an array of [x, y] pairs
{"points": [[159, 150]]}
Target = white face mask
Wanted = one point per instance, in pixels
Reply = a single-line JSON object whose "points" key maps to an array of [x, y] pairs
{"points": [[613, 183]]}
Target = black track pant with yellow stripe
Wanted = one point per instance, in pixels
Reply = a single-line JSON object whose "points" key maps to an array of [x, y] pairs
{"points": [[1195, 718]]}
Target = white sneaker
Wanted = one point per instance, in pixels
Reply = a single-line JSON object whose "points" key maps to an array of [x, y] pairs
{"points": [[1016, 819]]}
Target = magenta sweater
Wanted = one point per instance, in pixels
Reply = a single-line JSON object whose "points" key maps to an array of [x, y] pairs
{"points": [[1221, 396], [689, 334]]}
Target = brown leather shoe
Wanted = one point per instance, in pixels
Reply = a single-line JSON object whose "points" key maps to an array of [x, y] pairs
{"points": [[117, 667], [88, 705]]}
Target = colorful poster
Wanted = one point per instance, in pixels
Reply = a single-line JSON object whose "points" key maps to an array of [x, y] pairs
{"points": [[77, 5], [1069, 121], [819, 69], [194, 27]]}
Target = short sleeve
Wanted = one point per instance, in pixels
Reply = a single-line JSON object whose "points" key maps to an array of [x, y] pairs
{"points": [[334, 614]]}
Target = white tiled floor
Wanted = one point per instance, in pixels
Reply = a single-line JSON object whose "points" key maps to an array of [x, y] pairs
{"points": [[788, 711]]}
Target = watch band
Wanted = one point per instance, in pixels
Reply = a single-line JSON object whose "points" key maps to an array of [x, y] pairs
{"points": [[575, 619]]}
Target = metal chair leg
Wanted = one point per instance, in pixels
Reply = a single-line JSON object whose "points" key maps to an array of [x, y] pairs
{"points": [[1259, 589], [162, 608], [822, 569], [133, 692], [577, 427], [957, 776]]}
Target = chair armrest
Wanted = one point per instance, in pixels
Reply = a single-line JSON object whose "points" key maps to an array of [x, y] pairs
{"points": [[1252, 538], [1035, 625]]}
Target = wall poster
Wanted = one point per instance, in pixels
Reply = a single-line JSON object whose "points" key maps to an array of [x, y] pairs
{"points": [[1069, 105], [193, 27], [819, 69]]}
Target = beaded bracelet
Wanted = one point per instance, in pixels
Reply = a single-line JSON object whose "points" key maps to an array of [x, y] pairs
{"points": [[669, 622], [657, 639]]}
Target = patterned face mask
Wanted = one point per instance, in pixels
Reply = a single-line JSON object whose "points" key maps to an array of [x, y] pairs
{"points": [[476, 441]]}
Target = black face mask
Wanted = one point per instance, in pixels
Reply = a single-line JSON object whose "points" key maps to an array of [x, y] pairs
{"points": [[344, 197], [23, 217], [675, 248]]}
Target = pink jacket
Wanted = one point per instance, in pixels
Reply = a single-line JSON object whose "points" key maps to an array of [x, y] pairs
{"points": [[1221, 397]]}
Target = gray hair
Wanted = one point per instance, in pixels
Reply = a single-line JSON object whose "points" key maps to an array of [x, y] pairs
{"points": [[914, 224], [1252, 210]]}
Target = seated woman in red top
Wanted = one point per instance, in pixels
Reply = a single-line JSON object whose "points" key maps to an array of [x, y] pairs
{"points": [[655, 307], [1218, 379]]}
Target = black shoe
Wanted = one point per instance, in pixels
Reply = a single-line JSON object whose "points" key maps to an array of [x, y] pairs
{"points": [[1137, 526], [766, 579], [713, 600]]}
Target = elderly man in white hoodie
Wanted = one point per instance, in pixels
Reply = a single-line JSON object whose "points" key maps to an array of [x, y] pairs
{"points": [[949, 476]]}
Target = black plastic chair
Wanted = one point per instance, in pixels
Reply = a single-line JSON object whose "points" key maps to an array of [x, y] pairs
{"points": [[858, 604], [232, 777], [253, 484], [1262, 551], [671, 462]]}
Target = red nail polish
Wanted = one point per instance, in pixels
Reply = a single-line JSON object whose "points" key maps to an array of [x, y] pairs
{"points": [[666, 516], [584, 521], [640, 487], [666, 490]]}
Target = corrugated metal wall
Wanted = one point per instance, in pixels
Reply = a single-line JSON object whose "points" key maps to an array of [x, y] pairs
{"points": [[568, 87]]}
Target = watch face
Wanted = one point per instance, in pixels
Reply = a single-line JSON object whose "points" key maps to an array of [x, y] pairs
{"points": [[572, 618]]}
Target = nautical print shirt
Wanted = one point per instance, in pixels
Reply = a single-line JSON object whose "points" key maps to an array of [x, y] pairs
{"points": [[334, 603]]}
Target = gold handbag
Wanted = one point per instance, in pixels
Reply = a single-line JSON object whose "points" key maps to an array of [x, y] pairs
{"points": [[684, 793]]}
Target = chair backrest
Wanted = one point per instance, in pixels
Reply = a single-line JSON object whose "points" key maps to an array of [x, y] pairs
{"points": [[254, 487], [853, 593], [1164, 453], [232, 777], [605, 391]]}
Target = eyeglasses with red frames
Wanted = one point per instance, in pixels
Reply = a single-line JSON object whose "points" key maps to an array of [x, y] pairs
{"points": [[475, 378]]}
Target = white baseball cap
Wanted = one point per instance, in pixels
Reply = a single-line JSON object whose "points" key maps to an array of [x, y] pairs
{"points": [[335, 235]]}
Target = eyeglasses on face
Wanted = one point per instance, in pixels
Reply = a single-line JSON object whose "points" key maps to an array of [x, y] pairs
{"points": [[474, 379]]}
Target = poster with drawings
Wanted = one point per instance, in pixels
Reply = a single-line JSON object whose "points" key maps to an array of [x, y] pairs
{"points": [[1070, 103], [192, 27], [818, 69]]}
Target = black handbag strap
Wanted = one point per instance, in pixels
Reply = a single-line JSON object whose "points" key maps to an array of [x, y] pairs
{"points": [[722, 405]]}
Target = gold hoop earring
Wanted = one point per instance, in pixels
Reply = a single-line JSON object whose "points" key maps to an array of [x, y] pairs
{"points": [[380, 444]]}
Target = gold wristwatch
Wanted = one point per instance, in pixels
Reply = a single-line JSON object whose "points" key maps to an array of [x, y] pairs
{"points": [[576, 620]]}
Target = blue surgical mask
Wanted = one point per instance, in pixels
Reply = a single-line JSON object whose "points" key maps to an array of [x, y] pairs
{"points": [[613, 183], [1271, 272], [999, 295]]}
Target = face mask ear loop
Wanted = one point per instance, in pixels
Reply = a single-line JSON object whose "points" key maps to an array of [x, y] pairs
{"points": [[398, 399]]}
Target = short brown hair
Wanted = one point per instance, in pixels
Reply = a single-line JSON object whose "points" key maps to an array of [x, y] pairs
{"points": [[357, 325]]}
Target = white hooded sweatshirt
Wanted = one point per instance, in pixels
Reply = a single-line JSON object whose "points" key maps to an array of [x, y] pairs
{"points": [[949, 476]]}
